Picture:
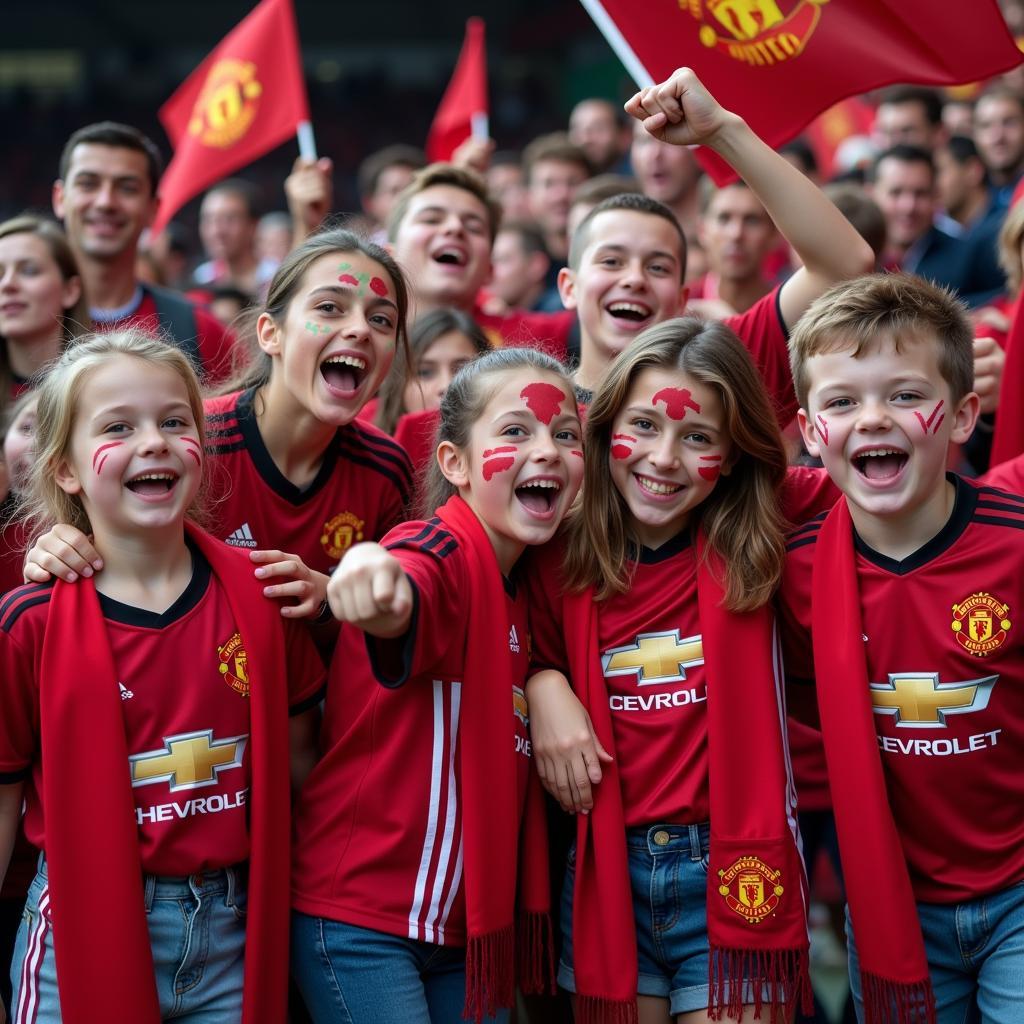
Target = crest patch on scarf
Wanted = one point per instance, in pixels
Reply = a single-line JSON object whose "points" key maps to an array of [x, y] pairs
{"points": [[750, 888], [980, 623], [233, 663]]}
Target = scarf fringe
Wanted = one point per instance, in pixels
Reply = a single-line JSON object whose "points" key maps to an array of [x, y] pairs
{"points": [[896, 1002], [535, 953], [734, 974], [490, 973], [596, 1010]]}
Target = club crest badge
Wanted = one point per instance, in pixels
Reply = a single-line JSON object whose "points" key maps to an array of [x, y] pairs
{"points": [[980, 623], [750, 888], [227, 104], [340, 533], [759, 33], [233, 664]]}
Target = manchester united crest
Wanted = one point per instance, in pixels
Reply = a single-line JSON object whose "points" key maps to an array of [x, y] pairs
{"points": [[233, 664], [760, 33], [340, 533], [227, 104], [980, 623], [750, 888]]}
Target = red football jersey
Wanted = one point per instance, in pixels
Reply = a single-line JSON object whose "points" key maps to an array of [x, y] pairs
{"points": [[653, 659], [361, 489], [520, 328], [184, 692], [379, 821], [945, 661], [13, 542]]}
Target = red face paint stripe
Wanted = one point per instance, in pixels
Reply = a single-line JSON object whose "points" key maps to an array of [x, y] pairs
{"points": [[711, 458], [102, 448], [709, 472], [543, 400], [927, 423], [579, 454], [676, 401], [349, 279], [497, 466], [822, 428], [499, 451]]}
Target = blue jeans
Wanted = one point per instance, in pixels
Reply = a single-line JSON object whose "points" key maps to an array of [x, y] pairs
{"points": [[197, 932], [352, 975], [975, 956]]}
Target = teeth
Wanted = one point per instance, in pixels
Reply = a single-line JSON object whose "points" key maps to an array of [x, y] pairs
{"points": [[548, 484], [359, 364], [152, 476], [878, 452], [628, 307], [656, 487]]}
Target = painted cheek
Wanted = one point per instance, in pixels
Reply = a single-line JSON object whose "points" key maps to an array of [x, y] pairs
{"points": [[710, 472], [676, 401], [543, 400], [578, 455], [317, 328], [822, 428], [99, 457], [497, 461], [194, 449], [931, 425], [624, 448]]}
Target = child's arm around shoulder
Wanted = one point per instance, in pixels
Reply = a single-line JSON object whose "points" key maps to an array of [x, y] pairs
{"points": [[370, 590], [681, 111]]}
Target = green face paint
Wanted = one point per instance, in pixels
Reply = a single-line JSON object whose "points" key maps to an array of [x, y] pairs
{"points": [[317, 328]]}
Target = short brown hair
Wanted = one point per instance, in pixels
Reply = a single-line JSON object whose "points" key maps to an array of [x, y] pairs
{"points": [[117, 136], [854, 315], [556, 147], [444, 174]]}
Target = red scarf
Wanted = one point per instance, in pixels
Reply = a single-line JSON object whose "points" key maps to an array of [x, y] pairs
{"points": [[893, 966], [490, 829], [1008, 440], [752, 826], [100, 934]]}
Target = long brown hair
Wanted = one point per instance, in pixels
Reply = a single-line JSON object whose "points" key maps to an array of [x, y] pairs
{"points": [[740, 518]]}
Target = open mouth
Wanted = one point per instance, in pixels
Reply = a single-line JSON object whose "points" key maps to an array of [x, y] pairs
{"points": [[659, 488], [538, 496], [451, 256], [152, 485], [629, 312], [343, 373], [880, 463]]}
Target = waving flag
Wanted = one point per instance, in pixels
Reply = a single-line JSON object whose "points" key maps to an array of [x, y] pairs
{"points": [[463, 109]]}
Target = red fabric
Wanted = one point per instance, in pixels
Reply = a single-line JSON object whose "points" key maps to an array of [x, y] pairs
{"points": [[246, 97], [548, 332], [1008, 440], [465, 97], [780, 75], [893, 965], [416, 432], [846, 118], [1001, 304], [81, 724], [743, 700]]}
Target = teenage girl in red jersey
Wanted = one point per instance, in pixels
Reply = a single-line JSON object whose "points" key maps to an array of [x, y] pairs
{"points": [[660, 616], [172, 666], [405, 873]]}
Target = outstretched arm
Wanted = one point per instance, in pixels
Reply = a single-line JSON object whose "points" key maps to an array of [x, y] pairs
{"points": [[371, 590]]}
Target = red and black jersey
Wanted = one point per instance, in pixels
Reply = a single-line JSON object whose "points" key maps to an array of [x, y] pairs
{"points": [[379, 821], [13, 544], [652, 653], [520, 328], [360, 491], [944, 647], [184, 687]]}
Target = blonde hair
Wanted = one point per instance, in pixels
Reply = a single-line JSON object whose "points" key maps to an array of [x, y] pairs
{"points": [[854, 315], [741, 518], [46, 503], [1010, 236]]}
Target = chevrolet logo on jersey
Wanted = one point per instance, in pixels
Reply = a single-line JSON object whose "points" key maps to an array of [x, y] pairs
{"points": [[655, 658], [188, 761], [920, 701]]}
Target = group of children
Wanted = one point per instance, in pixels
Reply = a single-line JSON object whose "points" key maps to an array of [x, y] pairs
{"points": [[637, 642]]}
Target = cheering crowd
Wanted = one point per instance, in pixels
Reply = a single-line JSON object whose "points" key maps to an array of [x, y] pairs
{"points": [[717, 486]]}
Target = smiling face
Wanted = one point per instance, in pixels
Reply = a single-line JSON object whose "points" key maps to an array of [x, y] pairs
{"points": [[19, 446], [337, 337], [524, 461], [33, 292], [436, 367], [882, 423], [737, 234], [669, 446], [444, 245], [135, 458], [905, 191]]}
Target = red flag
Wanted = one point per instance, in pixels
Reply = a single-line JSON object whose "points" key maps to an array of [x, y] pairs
{"points": [[247, 97], [465, 100], [851, 116], [779, 63]]}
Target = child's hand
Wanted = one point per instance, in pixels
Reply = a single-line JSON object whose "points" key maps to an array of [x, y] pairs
{"points": [[370, 590], [63, 552], [307, 586], [566, 749], [679, 110]]}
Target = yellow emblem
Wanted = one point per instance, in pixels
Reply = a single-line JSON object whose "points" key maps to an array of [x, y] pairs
{"points": [[756, 32], [233, 664], [340, 533], [188, 761], [980, 623], [227, 104], [750, 888], [918, 700], [655, 657]]}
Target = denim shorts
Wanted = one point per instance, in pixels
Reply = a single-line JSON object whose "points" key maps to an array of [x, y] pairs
{"points": [[975, 956], [197, 932], [668, 871]]}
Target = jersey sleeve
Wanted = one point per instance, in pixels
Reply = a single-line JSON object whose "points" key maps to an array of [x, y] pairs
{"points": [[764, 332], [19, 701], [307, 677], [544, 605], [1007, 476], [806, 491]]}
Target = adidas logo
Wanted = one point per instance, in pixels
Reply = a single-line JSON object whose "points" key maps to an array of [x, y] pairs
{"points": [[126, 694], [242, 537], [513, 640]]}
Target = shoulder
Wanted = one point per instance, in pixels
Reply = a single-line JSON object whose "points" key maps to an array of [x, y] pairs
{"points": [[806, 535], [765, 315], [998, 508], [223, 433], [24, 606], [370, 447], [429, 538]]}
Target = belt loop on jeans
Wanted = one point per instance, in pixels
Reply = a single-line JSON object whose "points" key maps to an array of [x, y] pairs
{"points": [[148, 890], [696, 853], [232, 877]]}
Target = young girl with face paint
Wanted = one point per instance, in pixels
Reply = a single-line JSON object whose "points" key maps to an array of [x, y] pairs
{"points": [[291, 468], [660, 617], [405, 872], [144, 718]]}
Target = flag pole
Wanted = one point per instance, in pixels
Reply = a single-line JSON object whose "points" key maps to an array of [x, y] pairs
{"points": [[307, 143], [616, 40], [480, 127]]}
